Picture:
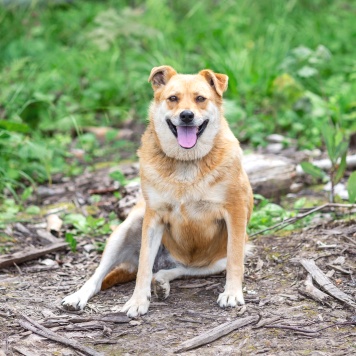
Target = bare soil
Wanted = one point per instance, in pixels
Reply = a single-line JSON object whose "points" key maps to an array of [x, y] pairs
{"points": [[272, 280]]}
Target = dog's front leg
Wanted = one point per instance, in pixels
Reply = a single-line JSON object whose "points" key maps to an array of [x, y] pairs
{"points": [[236, 221], [152, 232]]}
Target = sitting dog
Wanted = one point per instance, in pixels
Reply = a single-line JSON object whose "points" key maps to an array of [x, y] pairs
{"points": [[196, 197]]}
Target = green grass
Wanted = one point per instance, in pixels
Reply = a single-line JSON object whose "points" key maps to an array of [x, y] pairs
{"points": [[291, 64]]}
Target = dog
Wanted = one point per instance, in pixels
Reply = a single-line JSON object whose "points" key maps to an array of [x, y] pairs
{"points": [[196, 197]]}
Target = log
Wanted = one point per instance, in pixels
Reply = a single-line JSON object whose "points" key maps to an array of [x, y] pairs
{"points": [[325, 283], [270, 175], [216, 333], [19, 257]]}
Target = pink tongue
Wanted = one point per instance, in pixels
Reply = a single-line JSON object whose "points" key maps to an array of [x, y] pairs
{"points": [[187, 136]]}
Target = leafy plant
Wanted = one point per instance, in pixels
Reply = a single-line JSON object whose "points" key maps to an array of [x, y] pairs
{"points": [[266, 214], [337, 147], [351, 188], [84, 64], [87, 225], [119, 177], [72, 241]]}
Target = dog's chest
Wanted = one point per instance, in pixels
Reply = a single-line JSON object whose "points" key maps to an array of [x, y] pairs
{"points": [[186, 201]]}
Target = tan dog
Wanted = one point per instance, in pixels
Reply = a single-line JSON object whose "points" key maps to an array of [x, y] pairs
{"points": [[197, 199]]}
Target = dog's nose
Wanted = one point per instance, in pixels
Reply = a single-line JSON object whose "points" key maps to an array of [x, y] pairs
{"points": [[187, 116]]}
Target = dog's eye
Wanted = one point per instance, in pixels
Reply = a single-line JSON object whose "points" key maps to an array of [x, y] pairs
{"points": [[200, 99], [173, 98]]}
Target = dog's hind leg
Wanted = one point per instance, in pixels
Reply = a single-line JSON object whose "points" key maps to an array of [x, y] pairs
{"points": [[122, 248], [162, 278]]}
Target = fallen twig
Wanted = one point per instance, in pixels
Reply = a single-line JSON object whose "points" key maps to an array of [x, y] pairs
{"points": [[197, 285], [216, 333], [292, 220], [312, 292], [340, 269], [32, 325], [267, 321], [325, 283], [116, 318], [288, 327], [308, 331], [19, 257]]}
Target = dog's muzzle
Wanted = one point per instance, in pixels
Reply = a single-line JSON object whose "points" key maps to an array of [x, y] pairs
{"points": [[187, 135]]}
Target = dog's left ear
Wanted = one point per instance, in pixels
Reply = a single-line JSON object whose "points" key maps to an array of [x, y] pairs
{"points": [[216, 80], [160, 76]]}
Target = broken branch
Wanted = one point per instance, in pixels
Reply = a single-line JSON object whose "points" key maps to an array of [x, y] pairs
{"points": [[216, 333], [19, 257], [37, 328], [325, 283], [312, 292]]}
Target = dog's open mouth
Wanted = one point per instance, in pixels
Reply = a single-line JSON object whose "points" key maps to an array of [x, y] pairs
{"points": [[187, 136]]}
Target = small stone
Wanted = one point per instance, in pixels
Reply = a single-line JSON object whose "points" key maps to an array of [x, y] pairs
{"points": [[135, 322], [43, 191], [296, 187], [48, 262], [276, 138], [274, 148], [339, 189], [89, 248]]}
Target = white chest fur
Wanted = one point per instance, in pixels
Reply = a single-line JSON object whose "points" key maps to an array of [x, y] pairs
{"points": [[185, 192]]}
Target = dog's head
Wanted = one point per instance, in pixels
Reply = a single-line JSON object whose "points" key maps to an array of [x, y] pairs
{"points": [[186, 110]]}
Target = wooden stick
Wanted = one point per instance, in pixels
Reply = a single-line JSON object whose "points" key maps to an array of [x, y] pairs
{"points": [[288, 327], [39, 329], [19, 257], [325, 282], [216, 333], [267, 321], [312, 292]]}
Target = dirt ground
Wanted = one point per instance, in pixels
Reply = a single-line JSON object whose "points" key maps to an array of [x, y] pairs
{"points": [[272, 281], [271, 289]]}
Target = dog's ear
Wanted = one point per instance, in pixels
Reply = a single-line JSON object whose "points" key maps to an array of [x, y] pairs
{"points": [[216, 80], [160, 76]]}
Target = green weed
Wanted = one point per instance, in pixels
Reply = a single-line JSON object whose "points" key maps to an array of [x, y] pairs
{"points": [[291, 66], [267, 214], [337, 146]]}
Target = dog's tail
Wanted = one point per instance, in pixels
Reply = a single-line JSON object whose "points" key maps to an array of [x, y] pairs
{"points": [[120, 274]]}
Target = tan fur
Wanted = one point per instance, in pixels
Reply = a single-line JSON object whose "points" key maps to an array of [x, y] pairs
{"points": [[196, 240], [196, 201], [118, 275], [200, 238]]}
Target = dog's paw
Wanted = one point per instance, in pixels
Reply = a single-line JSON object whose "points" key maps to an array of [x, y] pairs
{"points": [[161, 288], [228, 299], [75, 301], [136, 305]]}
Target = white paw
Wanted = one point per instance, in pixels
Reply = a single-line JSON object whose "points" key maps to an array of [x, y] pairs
{"points": [[228, 299], [161, 288], [136, 305], [75, 301]]}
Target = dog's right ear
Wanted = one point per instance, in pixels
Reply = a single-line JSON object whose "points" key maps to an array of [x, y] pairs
{"points": [[160, 76]]}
